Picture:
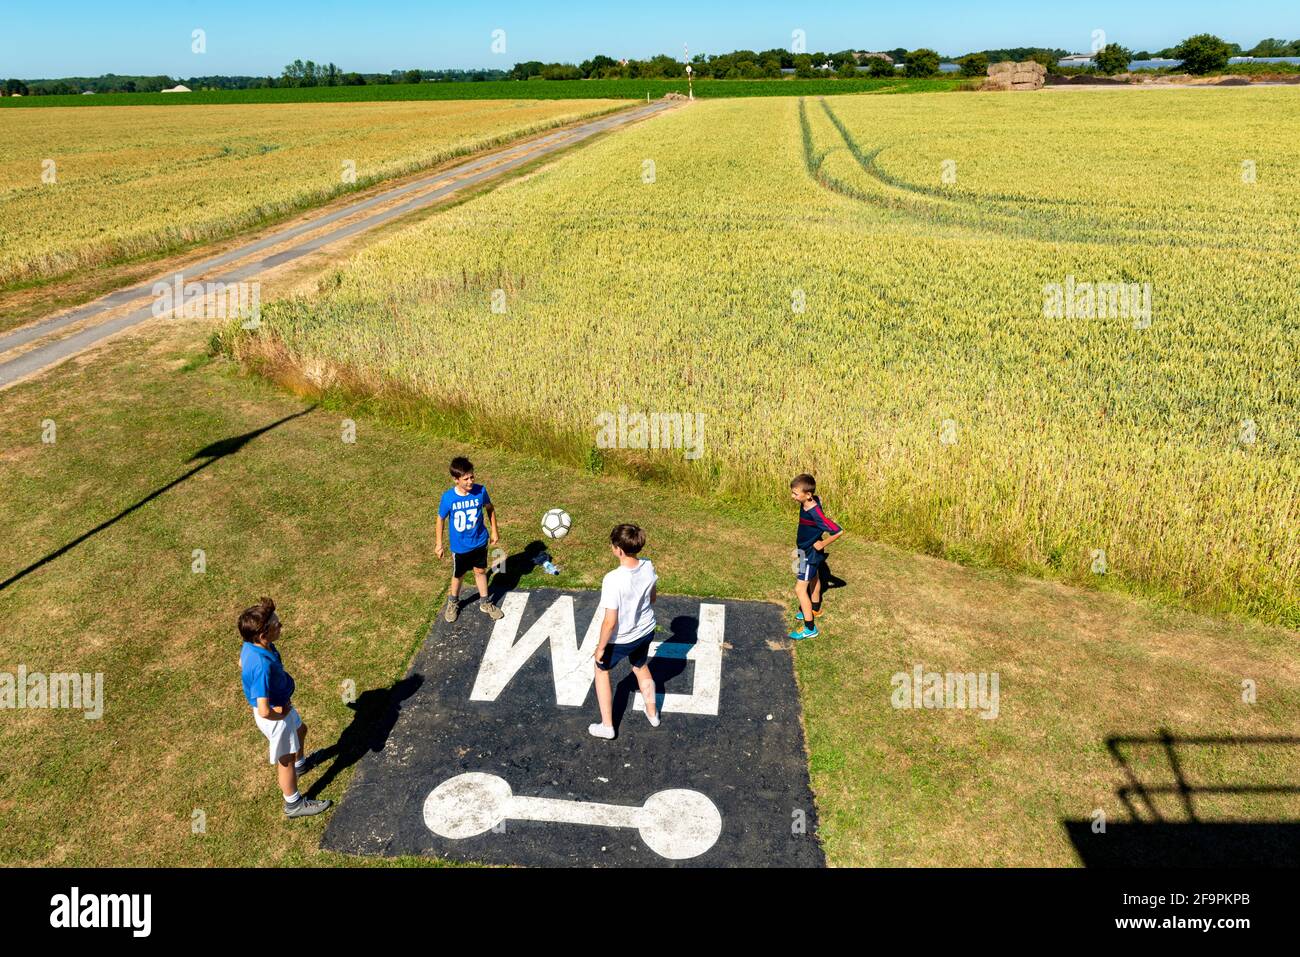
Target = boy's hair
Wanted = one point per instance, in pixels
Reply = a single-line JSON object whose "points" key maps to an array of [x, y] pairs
{"points": [[804, 483], [630, 538], [252, 621], [461, 466]]}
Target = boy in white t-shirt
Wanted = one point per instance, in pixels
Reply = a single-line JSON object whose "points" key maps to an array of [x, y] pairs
{"points": [[627, 595]]}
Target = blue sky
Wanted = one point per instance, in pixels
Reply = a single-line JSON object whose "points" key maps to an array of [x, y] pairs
{"points": [[84, 38]]}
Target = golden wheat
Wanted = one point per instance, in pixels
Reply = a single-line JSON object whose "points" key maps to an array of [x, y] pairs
{"points": [[84, 186], [811, 278]]}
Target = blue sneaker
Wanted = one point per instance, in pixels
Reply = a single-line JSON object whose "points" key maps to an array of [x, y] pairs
{"points": [[798, 616], [799, 634]]}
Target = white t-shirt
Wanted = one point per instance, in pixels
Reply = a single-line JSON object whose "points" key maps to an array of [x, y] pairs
{"points": [[627, 590]]}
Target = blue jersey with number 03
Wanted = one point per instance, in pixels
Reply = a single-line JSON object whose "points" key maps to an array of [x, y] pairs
{"points": [[465, 516]]}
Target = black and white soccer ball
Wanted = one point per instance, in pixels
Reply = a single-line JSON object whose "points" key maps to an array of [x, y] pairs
{"points": [[555, 523]]}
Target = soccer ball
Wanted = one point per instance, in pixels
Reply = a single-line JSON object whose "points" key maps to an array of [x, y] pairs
{"points": [[555, 523]]}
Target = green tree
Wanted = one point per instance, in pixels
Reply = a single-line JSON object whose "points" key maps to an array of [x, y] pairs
{"points": [[879, 66], [974, 64], [1112, 59], [922, 62], [803, 67], [411, 76], [1203, 53], [13, 86], [522, 71], [597, 65], [847, 70], [1271, 47]]}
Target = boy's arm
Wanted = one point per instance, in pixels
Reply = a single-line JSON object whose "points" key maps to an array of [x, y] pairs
{"points": [[828, 528], [492, 522], [265, 710], [823, 543], [437, 547]]}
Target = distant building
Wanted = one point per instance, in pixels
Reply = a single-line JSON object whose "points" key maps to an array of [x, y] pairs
{"points": [[87, 92], [1075, 59], [178, 88]]}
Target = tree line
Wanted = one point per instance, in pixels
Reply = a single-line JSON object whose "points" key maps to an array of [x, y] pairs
{"points": [[1203, 53]]}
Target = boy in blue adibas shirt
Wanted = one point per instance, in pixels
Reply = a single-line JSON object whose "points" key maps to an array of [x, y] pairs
{"points": [[467, 509]]}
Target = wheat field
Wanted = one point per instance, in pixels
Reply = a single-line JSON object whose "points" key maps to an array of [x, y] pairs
{"points": [[87, 186], [888, 292]]}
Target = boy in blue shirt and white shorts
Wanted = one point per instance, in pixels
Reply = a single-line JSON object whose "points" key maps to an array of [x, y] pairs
{"points": [[268, 688]]}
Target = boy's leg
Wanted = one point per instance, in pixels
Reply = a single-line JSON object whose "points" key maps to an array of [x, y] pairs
{"points": [[302, 740], [605, 697], [287, 776], [816, 596], [805, 602], [646, 682], [452, 608], [485, 603]]}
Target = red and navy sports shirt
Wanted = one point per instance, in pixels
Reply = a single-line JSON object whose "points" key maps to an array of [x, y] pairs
{"points": [[813, 523]]}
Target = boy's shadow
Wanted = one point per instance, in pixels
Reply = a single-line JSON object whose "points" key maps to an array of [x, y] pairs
{"points": [[375, 714], [667, 663], [516, 567], [829, 579]]}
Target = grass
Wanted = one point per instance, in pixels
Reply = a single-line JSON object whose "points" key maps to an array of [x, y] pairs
{"points": [[339, 534], [498, 90], [801, 275]]}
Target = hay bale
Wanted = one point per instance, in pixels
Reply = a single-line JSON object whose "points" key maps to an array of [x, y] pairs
{"points": [[1024, 77], [996, 69], [997, 84]]}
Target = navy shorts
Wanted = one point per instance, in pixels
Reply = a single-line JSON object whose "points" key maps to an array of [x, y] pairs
{"points": [[806, 570], [463, 562], [636, 653]]}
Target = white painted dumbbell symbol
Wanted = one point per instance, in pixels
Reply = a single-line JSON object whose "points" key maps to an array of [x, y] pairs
{"points": [[676, 824]]}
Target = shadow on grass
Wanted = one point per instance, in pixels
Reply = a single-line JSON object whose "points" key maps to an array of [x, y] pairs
{"points": [[214, 452], [1153, 838], [668, 662], [517, 566], [374, 714]]}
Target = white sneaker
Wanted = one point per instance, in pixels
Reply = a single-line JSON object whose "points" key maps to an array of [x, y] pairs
{"points": [[654, 722], [601, 731]]}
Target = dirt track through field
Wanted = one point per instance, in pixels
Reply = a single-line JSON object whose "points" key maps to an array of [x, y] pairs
{"points": [[105, 316]]}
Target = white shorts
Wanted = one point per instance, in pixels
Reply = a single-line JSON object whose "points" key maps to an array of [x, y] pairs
{"points": [[282, 734]]}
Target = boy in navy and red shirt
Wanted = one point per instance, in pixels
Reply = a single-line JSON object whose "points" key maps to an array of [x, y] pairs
{"points": [[469, 510], [810, 548]]}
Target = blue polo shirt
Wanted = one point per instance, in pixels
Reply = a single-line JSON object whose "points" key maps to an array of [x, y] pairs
{"points": [[264, 675]]}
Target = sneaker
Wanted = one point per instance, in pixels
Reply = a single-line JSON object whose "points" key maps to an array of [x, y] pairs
{"points": [[654, 722], [305, 807], [491, 610], [799, 634], [599, 730], [817, 613], [452, 610]]}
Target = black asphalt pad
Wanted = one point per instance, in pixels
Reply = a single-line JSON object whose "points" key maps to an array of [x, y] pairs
{"points": [[482, 762]]}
